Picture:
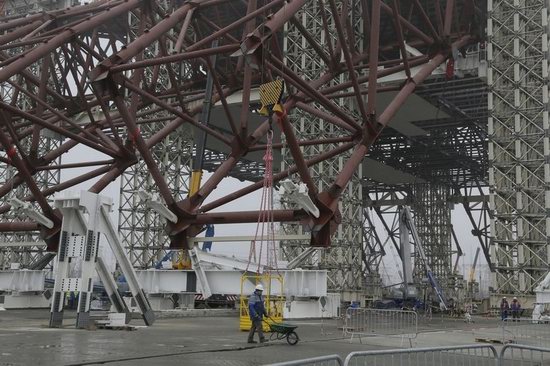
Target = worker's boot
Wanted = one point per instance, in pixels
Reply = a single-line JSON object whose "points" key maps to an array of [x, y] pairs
{"points": [[263, 340]]}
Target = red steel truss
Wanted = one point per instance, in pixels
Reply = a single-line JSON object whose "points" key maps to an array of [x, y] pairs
{"points": [[85, 61]]}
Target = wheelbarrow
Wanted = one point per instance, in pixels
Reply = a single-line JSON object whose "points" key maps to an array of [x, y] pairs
{"points": [[283, 330]]}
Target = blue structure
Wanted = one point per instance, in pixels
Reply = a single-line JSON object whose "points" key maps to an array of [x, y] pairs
{"points": [[207, 245]]}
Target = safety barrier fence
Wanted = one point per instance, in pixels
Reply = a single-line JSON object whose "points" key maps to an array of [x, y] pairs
{"points": [[363, 322], [449, 356], [469, 355], [518, 331], [331, 360], [516, 355], [526, 331]]}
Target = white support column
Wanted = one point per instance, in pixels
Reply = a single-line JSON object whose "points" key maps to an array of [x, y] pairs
{"points": [[111, 289], [88, 252], [71, 246], [80, 235], [127, 269], [201, 275]]}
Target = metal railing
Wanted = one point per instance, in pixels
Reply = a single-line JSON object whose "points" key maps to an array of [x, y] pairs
{"points": [[513, 355], [364, 322], [520, 331], [331, 360], [471, 355], [478, 355], [526, 331]]}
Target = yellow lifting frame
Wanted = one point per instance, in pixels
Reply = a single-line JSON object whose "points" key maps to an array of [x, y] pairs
{"points": [[273, 303]]}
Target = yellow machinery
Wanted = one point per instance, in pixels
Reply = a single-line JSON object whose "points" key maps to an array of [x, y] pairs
{"points": [[183, 261], [273, 303], [270, 97]]}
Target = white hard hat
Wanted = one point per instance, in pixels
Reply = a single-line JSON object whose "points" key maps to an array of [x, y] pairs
{"points": [[259, 287], [515, 298]]}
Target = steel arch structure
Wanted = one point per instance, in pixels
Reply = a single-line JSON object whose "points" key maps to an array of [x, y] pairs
{"points": [[120, 77]]}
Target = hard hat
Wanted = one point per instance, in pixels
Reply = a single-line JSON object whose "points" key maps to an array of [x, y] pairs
{"points": [[259, 287], [504, 297], [515, 298]]}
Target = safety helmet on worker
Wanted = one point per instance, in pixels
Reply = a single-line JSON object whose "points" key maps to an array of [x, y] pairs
{"points": [[259, 287]]}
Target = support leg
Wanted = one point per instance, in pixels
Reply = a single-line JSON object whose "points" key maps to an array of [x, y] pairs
{"points": [[83, 314], [56, 312], [111, 289]]}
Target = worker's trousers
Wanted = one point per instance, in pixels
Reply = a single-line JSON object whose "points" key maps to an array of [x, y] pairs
{"points": [[256, 326]]}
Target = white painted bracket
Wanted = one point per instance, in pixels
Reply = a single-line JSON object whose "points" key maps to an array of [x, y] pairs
{"points": [[544, 285], [298, 194], [223, 261], [158, 206], [301, 258], [412, 51], [201, 274], [31, 212]]}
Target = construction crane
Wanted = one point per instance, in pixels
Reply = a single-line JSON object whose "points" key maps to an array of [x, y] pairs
{"points": [[429, 273], [471, 275], [184, 260]]}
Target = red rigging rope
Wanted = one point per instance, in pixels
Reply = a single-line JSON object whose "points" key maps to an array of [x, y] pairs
{"points": [[11, 152], [265, 228]]}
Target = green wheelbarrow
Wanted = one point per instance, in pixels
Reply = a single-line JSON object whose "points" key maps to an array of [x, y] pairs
{"points": [[283, 330]]}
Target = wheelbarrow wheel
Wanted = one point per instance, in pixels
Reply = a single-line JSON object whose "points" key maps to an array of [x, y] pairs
{"points": [[292, 338]]}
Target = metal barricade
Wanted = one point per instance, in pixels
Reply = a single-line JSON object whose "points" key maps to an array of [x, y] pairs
{"points": [[331, 360], [478, 355], [520, 331], [364, 322], [526, 331], [513, 355]]}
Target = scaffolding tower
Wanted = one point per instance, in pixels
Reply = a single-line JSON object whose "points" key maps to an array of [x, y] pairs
{"points": [[432, 218], [142, 229], [21, 247], [343, 259], [519, 153]]}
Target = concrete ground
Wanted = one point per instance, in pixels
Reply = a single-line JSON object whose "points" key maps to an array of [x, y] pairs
{"points": [[25, 339]]}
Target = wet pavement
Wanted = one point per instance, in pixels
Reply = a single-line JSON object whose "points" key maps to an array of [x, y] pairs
{"points": [[25, 339]]}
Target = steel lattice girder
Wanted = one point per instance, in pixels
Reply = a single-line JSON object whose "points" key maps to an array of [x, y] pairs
{"points": [[85, 79], [518, 145]]}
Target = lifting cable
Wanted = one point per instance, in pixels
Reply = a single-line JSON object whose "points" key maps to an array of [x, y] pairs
{"points": [[265, 227], [270, 97]]}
